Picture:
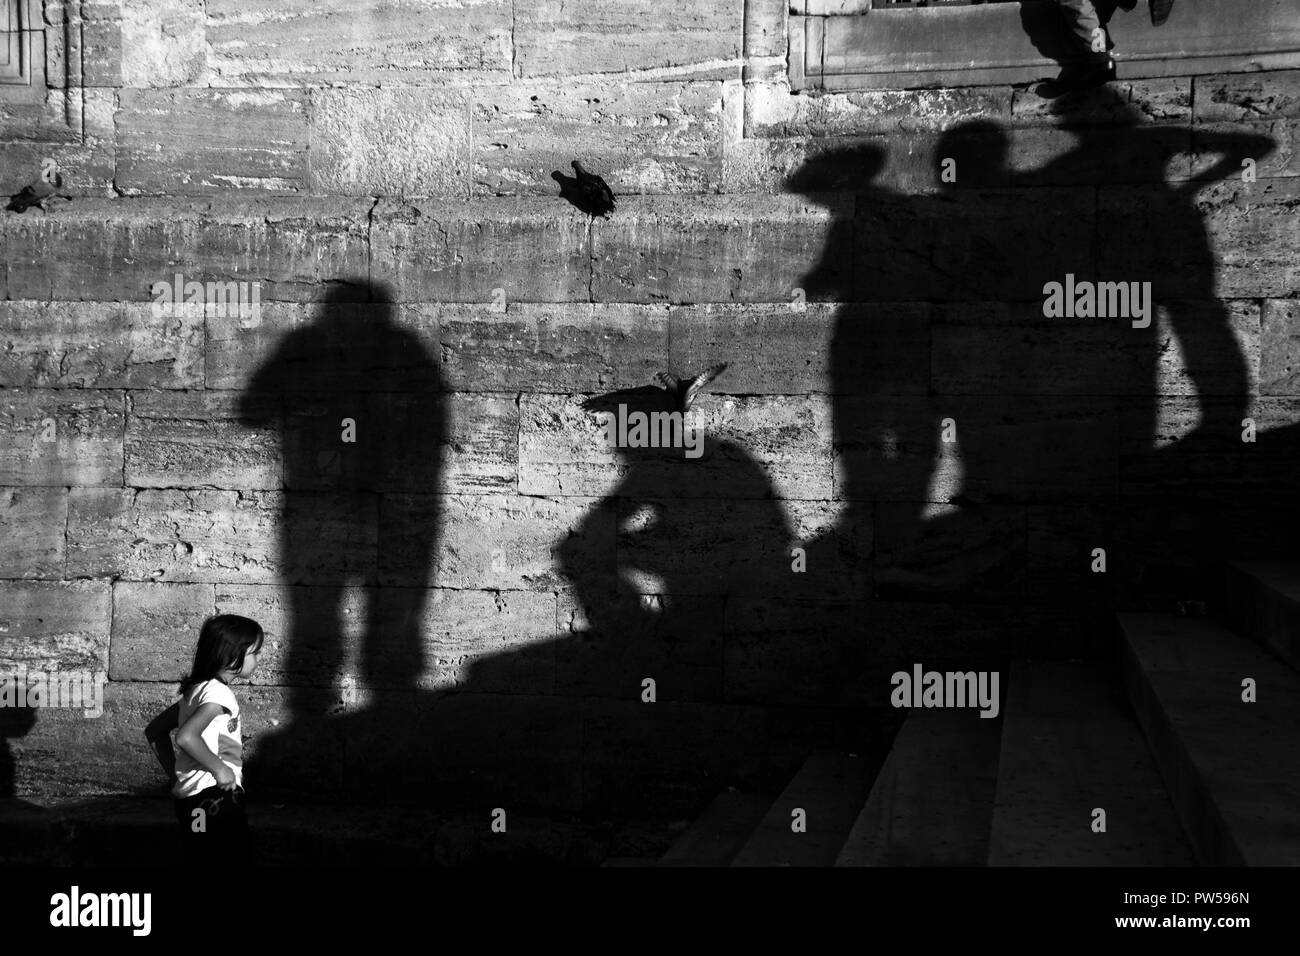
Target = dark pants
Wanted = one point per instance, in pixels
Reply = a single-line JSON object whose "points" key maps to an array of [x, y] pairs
{"points": [[1083, 17], [219, 830]]}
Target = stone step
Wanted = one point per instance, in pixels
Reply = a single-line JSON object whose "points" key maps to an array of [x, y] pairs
{"points": [[1070, 745], [1264, 603], [932, 800], [140, 831], [1230, 766], [721, 830], [830, 788]]}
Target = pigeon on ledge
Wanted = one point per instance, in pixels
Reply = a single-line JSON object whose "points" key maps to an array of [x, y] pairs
{"points": [[586, 191]]}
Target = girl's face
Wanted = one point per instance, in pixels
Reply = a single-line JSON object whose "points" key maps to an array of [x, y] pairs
{"points": [[250, 662]]}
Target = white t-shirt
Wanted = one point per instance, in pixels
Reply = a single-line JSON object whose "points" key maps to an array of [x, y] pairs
{"points": [[222, 736]]}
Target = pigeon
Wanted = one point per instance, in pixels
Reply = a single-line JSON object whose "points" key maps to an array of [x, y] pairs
{"points": [[683, 391], [586, 190], [35, 194]]}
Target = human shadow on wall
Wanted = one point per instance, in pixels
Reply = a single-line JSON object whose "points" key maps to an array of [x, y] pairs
{"points": [[701, 563], [14, 722], [1022, 442], [354, 398], [545, 721]]}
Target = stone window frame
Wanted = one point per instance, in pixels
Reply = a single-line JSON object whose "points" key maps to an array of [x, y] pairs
{"points": [[15, 44], [833, 47], [44, 101]]}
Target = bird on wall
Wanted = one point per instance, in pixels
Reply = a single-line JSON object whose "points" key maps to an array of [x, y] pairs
{"points": [[684, 390], [586, 191], [37, 194]]}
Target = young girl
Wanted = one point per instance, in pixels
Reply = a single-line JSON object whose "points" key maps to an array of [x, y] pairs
{"points": [[205, 732]]}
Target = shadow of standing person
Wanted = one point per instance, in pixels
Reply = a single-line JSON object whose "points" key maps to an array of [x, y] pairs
{"points": [[14, 722], [356, 400]]}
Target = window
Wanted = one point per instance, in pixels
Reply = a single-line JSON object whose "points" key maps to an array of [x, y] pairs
{"points": [[894, 44], [15, 48], [42, 53]]}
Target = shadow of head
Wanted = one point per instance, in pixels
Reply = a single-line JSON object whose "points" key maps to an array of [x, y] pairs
{"points": [[841, 170], [620, 411], [16, 721], [973, 155]]}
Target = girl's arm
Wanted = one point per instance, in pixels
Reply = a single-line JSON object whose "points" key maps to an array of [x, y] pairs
{"points": [[190, 739], [158, 734]]}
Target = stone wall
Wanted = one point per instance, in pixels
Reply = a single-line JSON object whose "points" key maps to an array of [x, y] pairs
{"points": [[383, 171]]}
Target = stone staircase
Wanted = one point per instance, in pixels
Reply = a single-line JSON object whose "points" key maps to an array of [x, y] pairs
{"points": [[1160, 740]]}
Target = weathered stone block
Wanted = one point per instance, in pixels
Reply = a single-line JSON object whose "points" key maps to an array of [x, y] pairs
{"points": [[703, 546], [86, 162], [1099, 155], [1279, 351], [531, 249], [1231, 239], [179, 142], [330, 622], [373, 42], [156, 629], [640, 138], [256, 537], [481, 447], [713, 249], [369, 642], [344, 346], [752, 447], [67, 752], [351, 442], [298, 249], [387, 141], [57, 437], [981, 245], [626, 36], [496, 642], [164, 42], [31, 542], [1152, 448], [1220, 150], [770, 110], [198, 439], [543, 347], [1247, 97], [765, 27], [902, 162], [492, 542], [996, 349], [770, 349], [1132, 102], [59, 626], [98, 345], [835, 544]]}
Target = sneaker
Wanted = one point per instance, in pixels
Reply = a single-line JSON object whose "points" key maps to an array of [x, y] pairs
{"points": [[1160, 11], [1076, 78]]}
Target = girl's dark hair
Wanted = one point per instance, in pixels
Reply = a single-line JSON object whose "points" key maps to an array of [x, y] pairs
{"points": [[223, 641]]}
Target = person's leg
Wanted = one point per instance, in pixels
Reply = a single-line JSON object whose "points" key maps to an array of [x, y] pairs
{"points": [[1091, 65], [235, 837], [225, 824], [1083, 21], [1160, 11]]}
